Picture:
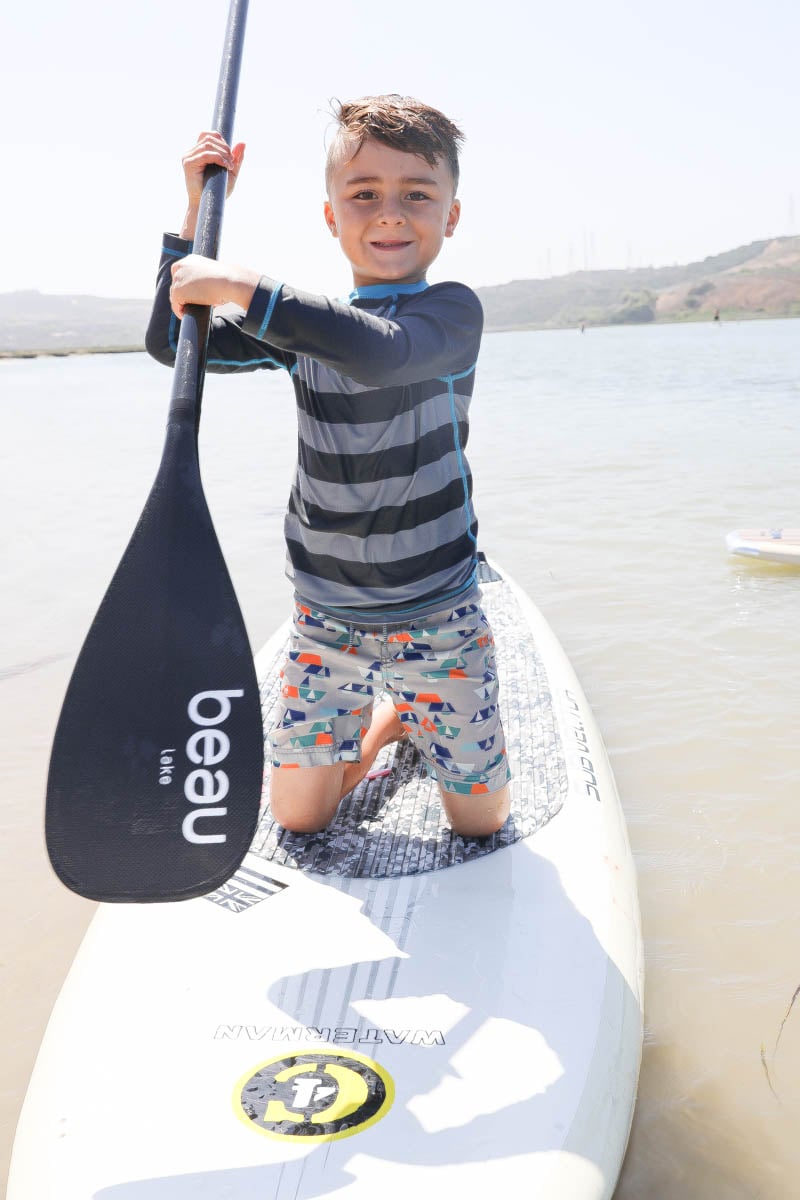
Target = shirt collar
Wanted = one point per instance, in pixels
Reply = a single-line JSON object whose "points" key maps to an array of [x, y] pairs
{"points": [[387, 291]]}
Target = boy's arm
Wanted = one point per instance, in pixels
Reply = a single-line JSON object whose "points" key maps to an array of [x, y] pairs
{"points": [[436, 333], [229, 347]]}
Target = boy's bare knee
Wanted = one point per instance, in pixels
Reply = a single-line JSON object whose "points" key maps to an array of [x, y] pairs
{"points": [[305, 799], [477, 816]]}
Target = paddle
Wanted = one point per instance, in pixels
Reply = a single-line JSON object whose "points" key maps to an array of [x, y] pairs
{"points": [[157, 763]]}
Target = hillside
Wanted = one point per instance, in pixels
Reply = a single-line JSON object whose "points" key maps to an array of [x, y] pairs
{"points": [[759, 280], [34, 322]]}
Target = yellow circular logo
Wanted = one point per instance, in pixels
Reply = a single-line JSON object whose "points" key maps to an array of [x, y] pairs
{"points": [[315, 1096]]}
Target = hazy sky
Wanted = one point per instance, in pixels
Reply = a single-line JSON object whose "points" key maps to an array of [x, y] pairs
{"points": [[610, 134]]}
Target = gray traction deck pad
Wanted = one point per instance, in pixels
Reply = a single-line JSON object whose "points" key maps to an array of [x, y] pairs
{"points": [[395, 825]]}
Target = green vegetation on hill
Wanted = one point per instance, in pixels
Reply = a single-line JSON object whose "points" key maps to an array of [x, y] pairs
{"points": [[759, 280]]}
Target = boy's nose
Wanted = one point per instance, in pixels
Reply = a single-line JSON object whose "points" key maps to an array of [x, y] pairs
{"points": [[391, 213]]}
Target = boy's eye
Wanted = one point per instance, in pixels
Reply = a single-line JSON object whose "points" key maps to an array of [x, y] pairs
{"points": [[418, 196], [366, 194]]}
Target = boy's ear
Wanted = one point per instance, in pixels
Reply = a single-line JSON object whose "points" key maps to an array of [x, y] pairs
{"points": [[452, 218], [330, 219]]}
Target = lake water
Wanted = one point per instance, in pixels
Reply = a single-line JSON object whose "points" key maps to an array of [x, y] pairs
{"points": [[609, 467]]}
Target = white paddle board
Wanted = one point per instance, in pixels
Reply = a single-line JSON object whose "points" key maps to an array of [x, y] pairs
{"points": [[770, 545], [383, 1010]]}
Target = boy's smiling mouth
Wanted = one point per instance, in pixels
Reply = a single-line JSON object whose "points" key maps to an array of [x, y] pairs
{"points": [[390, 245]]}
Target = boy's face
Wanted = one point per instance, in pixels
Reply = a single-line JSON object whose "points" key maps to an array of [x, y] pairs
{"points": [[391, 211]]}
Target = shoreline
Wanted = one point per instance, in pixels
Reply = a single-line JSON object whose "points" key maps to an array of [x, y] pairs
{"points": [[68, 353], [725, 318], [731, 317]]}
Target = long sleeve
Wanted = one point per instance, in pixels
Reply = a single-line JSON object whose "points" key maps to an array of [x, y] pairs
{"points": [[436, 332], [230, 348]]}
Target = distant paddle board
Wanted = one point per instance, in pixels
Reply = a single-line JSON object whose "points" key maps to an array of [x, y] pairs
{"points": [[383, 1010], [771, 545]]}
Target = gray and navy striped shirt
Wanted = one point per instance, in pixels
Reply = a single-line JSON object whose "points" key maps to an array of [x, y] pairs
{"points": [[380, 523]]}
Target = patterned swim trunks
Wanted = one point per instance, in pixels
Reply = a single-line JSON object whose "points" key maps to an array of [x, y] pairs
{"points": [[439, 672]]}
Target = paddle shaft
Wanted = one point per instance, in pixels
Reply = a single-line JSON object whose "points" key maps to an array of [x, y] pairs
{"points": [[190, 359]]}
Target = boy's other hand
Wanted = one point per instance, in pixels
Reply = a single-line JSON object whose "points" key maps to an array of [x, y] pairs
{"points": [[199, 280], [210, 148]]}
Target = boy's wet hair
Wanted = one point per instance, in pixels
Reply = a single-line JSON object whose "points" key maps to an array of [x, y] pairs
{"points": [[398, 121]]}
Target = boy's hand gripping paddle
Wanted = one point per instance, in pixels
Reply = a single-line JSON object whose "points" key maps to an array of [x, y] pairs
{"points": [[157, 763]]}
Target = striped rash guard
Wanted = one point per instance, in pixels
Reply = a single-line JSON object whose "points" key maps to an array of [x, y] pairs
{"points": [[380, 525]]}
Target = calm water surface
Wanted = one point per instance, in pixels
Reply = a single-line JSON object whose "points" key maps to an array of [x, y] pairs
{"points": [[609, 466]]}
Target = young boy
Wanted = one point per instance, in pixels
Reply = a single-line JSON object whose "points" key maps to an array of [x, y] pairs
{"points": [[380, 528]]}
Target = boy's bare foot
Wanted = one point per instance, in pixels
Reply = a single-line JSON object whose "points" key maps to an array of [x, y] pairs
{"points": [[386, 727], [306, 801]]}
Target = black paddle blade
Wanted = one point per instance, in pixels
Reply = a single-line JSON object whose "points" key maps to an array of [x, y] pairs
{"points": [[157, 764]]}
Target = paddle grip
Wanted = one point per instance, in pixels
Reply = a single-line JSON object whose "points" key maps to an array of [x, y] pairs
{"points": [[191, 354]]}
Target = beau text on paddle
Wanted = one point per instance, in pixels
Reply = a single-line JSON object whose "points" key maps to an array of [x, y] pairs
{"points": [[208, 746]]}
